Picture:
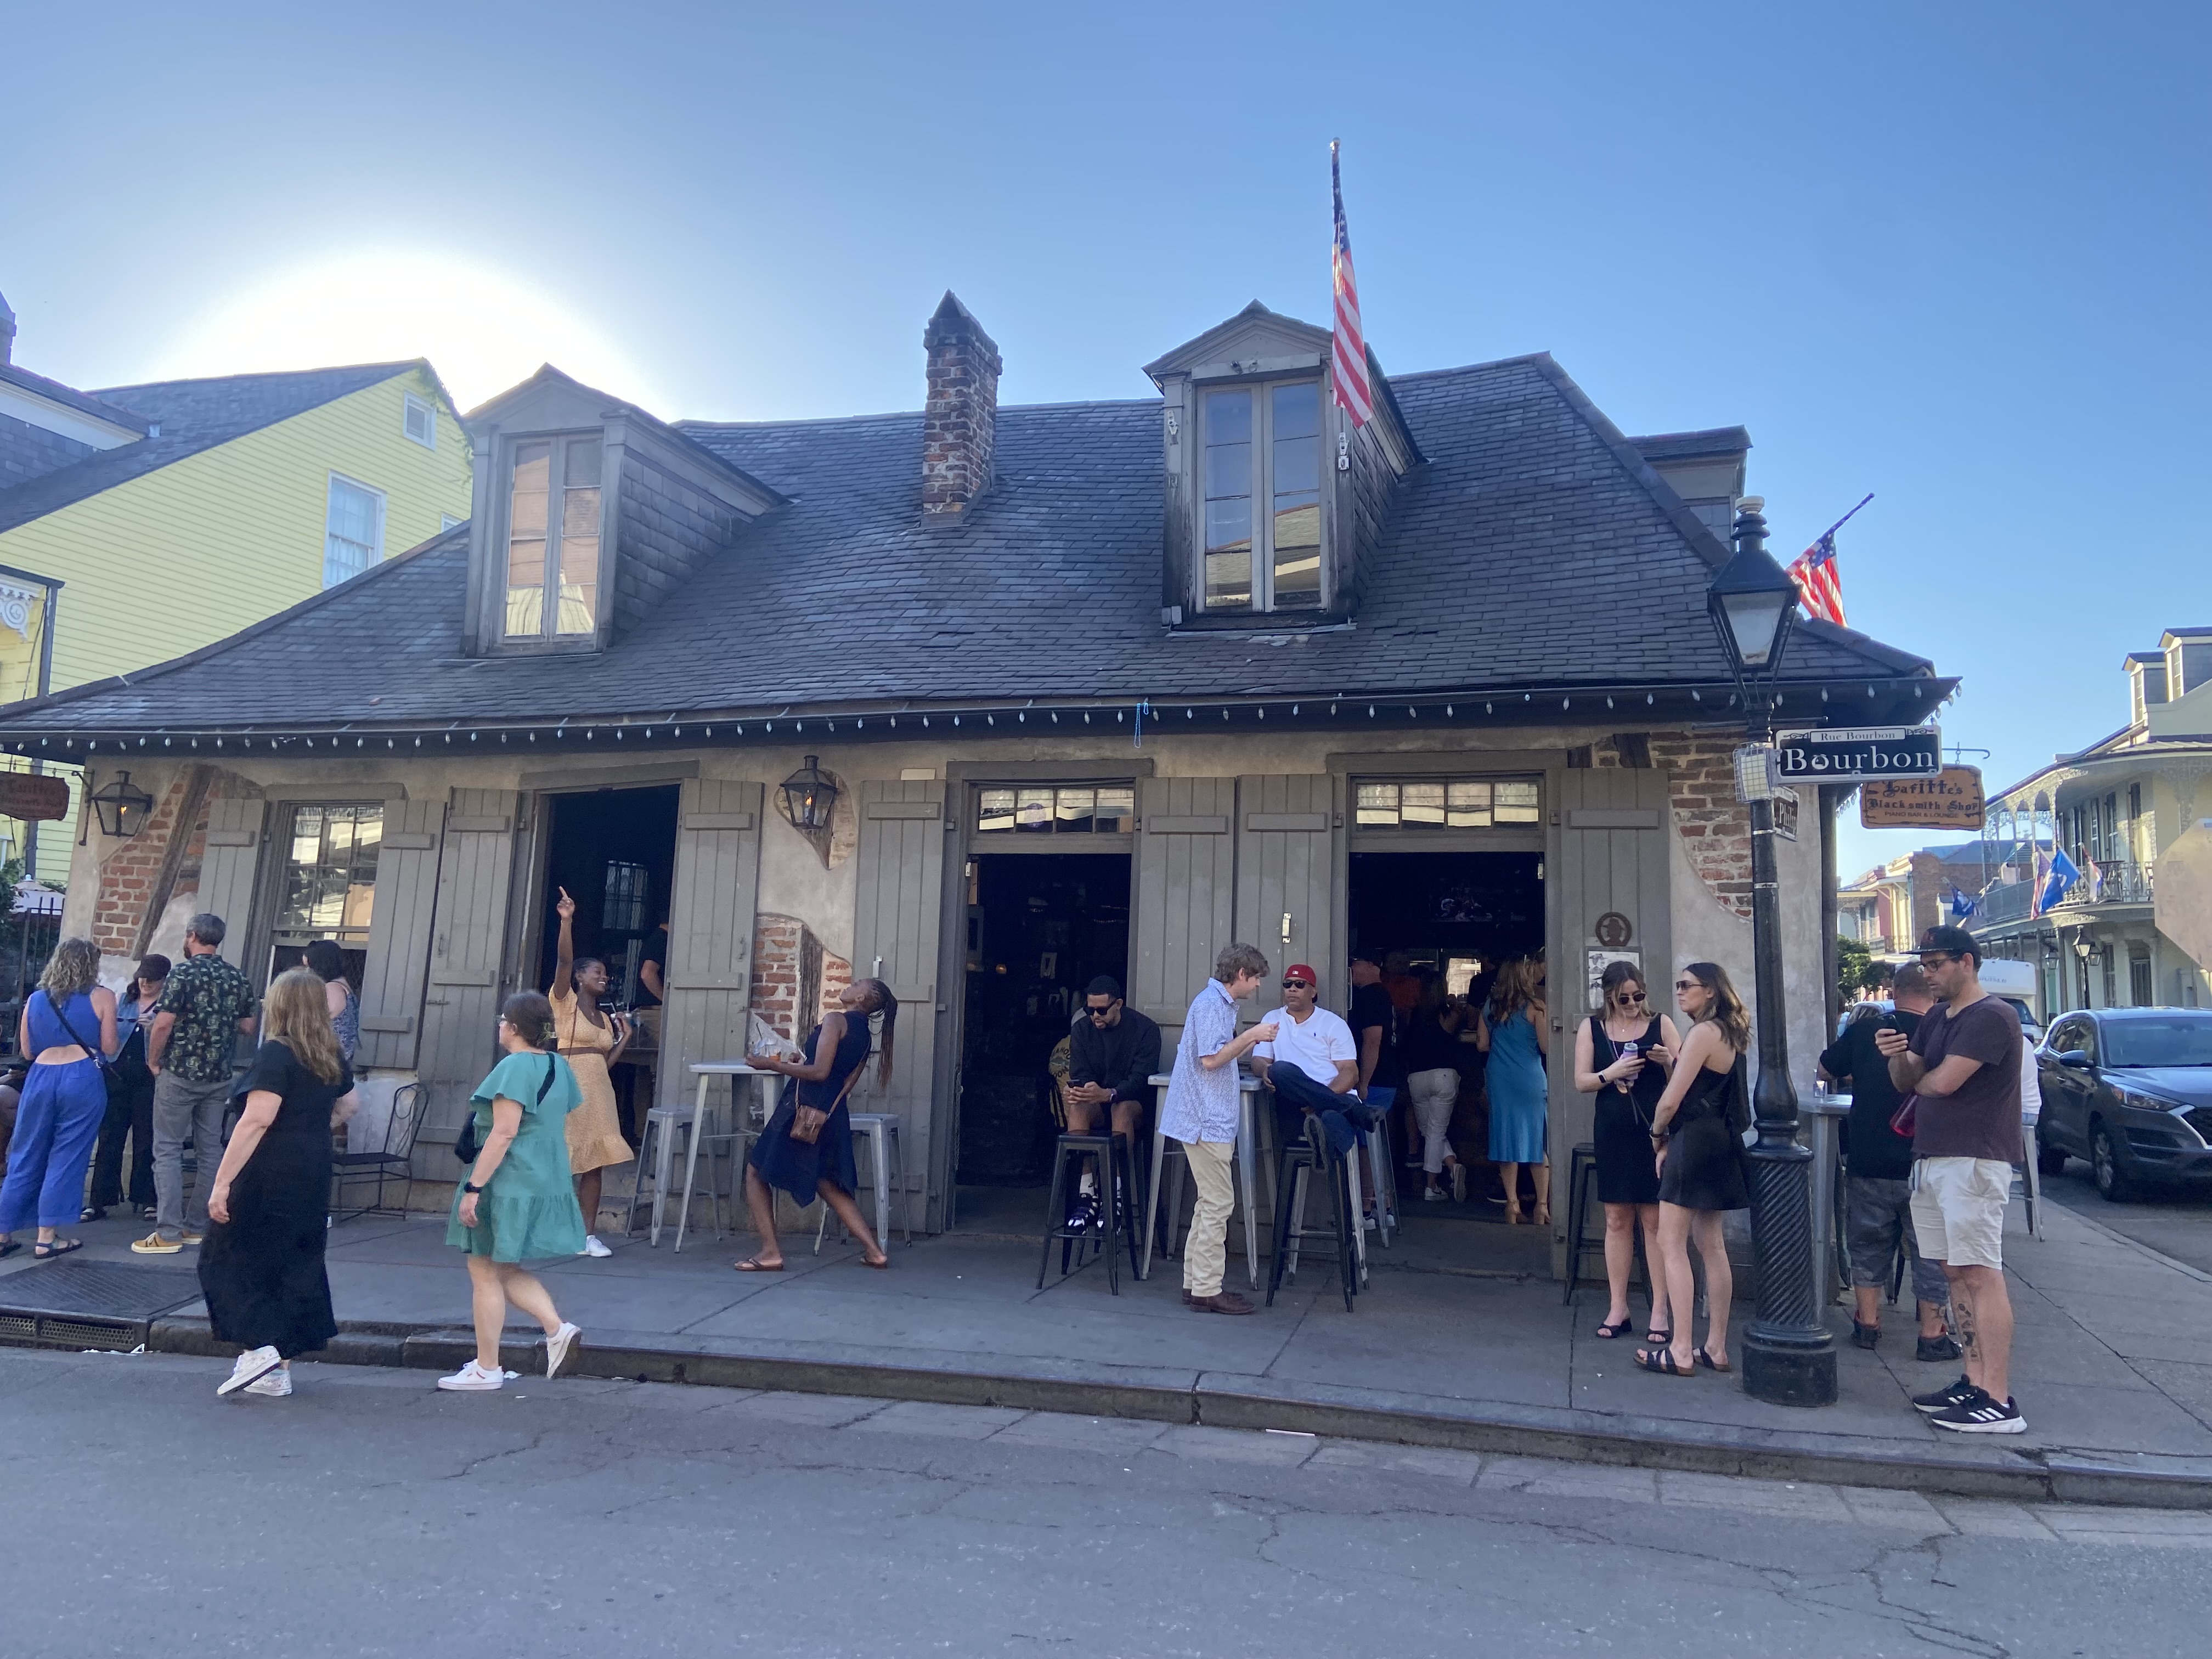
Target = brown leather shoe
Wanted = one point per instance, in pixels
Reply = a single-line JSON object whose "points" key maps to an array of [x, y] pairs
{"points": [[1227, 1303]]}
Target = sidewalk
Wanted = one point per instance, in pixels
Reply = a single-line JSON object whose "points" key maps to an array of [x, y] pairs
{"points": [[2112, 1362]]}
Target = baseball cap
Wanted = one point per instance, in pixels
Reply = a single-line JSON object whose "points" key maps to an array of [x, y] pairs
{"points": [[1301, 971], [1953, 941]]}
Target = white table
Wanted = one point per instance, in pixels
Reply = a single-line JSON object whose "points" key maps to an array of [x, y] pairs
{"points": [[1247, 1092], [664, 1151]]}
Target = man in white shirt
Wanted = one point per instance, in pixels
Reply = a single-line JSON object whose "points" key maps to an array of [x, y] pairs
{"points": [[1311, 1065]]}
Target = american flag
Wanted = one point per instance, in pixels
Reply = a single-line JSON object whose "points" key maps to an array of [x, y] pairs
{"points": [[1818, 584], [1349, 357]]}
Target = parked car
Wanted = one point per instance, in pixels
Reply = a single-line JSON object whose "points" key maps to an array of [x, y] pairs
{"points": [[2130, 1090]]}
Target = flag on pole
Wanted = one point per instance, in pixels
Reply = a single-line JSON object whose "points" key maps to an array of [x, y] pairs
{"points": [[1818, 586], [1348, 357], [2063, 874]]}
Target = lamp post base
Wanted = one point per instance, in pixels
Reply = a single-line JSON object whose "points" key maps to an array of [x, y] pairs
{"points": [[1789, 1367]]}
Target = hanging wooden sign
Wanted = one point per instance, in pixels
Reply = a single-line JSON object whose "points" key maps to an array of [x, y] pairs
{"points": [[1953, 801], [29, 795]]}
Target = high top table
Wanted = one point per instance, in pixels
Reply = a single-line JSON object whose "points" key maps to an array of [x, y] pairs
{"points": [[1247, 1092]]}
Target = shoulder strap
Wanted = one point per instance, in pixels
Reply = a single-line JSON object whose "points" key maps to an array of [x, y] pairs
{"points": [[91, 1049], [552, 1071]]}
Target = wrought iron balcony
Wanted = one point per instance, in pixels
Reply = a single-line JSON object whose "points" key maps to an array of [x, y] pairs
{"points": [[2121, 882]]}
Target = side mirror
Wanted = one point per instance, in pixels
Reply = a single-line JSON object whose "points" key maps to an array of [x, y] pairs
{"points": [[2078, 1059]]}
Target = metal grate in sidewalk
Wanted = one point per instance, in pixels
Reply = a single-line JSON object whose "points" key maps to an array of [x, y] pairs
{"points": [[90, 1304]]}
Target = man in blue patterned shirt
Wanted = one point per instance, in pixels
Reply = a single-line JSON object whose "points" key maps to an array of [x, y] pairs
{"points": [[1201, 1113]]}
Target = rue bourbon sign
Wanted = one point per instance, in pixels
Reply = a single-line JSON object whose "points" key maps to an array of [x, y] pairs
{"points": [[1858, 755]]}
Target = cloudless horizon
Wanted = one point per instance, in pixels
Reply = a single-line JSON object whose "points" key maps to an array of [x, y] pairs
{"points": [[1956, 256]]}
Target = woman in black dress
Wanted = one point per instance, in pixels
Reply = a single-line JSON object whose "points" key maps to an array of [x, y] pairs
{"points": [[1622, 1055], [1696, 1140], [806, 1150], [261, 1269]]}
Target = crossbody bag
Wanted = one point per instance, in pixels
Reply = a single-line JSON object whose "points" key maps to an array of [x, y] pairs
{"points": [[99, 1060], [465, 1146], [815, 1132]]}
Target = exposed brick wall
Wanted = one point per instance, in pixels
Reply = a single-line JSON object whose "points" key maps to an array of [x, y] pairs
{"points": [[795, 980], [31, 452], [960, 411], [128, 875], [1715, 827], [668, 530]]}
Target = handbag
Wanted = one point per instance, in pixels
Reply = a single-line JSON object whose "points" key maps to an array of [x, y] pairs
{"points": [[465, 1144], [99, 1060], [815, 1132]]}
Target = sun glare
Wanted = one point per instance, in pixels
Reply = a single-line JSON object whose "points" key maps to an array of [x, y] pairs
{"points": [[482, 329]]}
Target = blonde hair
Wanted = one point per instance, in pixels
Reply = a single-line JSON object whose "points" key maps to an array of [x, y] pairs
{"points": [[1728, 1010], [74, 966], [300, 1017], [1514, 989]]}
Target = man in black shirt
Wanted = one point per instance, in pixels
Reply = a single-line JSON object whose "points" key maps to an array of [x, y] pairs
{"points": [[1112, 1054], [1877, 1199]]}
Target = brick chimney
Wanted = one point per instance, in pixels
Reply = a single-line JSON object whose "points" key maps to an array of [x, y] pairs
{"points": [[961, 412]]}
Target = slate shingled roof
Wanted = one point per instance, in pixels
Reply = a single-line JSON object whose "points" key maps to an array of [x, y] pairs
{"points": [[1533, 548], [192, 415]]}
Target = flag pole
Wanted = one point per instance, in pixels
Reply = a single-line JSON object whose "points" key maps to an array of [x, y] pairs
{"points": [[1841, 522]]}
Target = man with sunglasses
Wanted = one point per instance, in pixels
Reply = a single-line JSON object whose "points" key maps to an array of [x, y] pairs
{"points": [[1112, 1054], [1312, 1065], [1963, 1064]]}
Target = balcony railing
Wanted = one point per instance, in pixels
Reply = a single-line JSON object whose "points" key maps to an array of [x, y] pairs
{"points": [[2117, 882]]}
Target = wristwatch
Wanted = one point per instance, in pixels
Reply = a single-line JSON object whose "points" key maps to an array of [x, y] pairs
{"points": [[471, 1186]]}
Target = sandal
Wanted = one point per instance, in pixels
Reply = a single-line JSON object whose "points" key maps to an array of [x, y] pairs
{"points": [[59, 1246], [92, 1213], [881, 1264], [1663, 1361], [1701, 1357], [1658, 1338], [753, 1264], [1611, 1332], [1543, 1215], [9, 1247]]}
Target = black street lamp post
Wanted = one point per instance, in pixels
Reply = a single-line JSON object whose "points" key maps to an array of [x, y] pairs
{"points": [[1788, 1357]]}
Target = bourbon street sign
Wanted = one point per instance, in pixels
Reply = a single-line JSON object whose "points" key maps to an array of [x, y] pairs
{"points": [[1858, 755]]}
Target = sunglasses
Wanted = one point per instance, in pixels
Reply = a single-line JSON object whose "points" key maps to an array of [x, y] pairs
{"points": [[1687, 985], [1101, 1014], [1298, 985], [1630, 998], [1937, 959]]}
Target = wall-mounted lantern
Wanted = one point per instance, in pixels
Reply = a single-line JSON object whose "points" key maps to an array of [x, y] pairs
{"points": [[123, 807], [808, 800]]}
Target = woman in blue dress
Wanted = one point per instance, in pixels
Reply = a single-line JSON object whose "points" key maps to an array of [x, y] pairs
{"points": [[1512, 1030], [806, 1150], [64, 1099]]}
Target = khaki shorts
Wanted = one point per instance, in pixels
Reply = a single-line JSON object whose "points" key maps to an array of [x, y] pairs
{"points": [[1958, 1210]]}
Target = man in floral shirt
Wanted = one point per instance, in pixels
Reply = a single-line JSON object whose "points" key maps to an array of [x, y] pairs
{"points": [[204, 1007]]}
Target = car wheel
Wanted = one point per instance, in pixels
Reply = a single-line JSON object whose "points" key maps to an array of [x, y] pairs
{"points": [[2049, 1160], [2114, 1184]]}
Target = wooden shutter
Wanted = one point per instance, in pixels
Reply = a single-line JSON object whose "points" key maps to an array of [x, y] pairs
{"points": [[468, 942], [897, 911], [710, 930], [1186, 893], [1287, 840], [230, 870], [399, 933]]}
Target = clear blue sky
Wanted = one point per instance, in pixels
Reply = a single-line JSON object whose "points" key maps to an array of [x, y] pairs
{"points": [[1955, 254]]}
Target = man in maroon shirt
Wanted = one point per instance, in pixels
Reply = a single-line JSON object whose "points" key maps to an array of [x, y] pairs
{"points": [[1963, 1066]]}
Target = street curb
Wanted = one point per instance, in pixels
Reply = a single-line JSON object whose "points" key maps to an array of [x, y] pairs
{"points": [[1229, 1400]]}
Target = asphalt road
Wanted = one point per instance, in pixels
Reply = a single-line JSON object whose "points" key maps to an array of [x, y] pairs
{"points": [[2175, 1223], [369, 1515]]}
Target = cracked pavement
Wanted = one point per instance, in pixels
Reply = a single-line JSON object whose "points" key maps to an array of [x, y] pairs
{"points": [[371, 1515]]}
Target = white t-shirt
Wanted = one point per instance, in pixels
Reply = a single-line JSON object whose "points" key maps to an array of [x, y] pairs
{"points": [[1314, 1048]]}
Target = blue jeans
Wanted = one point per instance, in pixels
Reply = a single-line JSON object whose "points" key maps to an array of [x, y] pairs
{"points": [[1344, 1117]]}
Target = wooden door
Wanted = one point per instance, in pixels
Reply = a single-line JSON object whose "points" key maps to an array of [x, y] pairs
{"points": [[230, 870], [1185, 896], [1289, 838], [898, 912], [468, 940], [710, 935], [399, 931]]}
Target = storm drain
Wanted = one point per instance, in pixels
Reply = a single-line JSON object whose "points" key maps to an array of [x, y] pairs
{"points": [[89, 1304]]}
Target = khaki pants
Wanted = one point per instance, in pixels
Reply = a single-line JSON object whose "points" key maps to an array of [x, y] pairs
{"points": [[1204, 1252]]}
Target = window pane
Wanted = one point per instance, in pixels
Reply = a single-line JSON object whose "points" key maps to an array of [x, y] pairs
{"points": [[1228, 500], [1033, 810], [1467, 805], [1295, 484], [526, 548], [578, 608], [329, 882], [1516, 803], [1376, 803], [350, 531], [1117, 812], [1072, 808], [997, 811], [622, 909], [1422, 804]]}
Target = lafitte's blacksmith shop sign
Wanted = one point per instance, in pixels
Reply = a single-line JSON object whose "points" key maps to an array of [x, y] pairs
{"points": [[1852, 755]]}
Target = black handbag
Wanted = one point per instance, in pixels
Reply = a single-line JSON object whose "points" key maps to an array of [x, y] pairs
{"points": [[465, 1144]]}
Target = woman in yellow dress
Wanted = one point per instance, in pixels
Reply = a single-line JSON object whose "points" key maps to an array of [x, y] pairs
{"points": [[591, 1041]]}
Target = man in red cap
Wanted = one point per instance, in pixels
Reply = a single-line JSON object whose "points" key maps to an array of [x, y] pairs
{"points": [[1313, 1063]]}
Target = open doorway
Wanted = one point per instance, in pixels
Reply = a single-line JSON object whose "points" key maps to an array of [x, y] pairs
{"points": [[1040, 927], [614, 850], [1459, 915]]}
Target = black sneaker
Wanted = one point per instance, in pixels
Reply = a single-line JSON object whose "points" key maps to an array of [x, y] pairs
{"points": [[1865, 1336], [1981, 1415], [1083, 1214], [1947, 1399], [1933, 1349]]}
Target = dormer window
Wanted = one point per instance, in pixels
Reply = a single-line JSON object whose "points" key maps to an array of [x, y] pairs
{"points": [[553, 539], [1261, 523]]}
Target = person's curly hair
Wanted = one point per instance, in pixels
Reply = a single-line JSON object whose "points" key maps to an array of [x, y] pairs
{"points": [[531, 1016]]}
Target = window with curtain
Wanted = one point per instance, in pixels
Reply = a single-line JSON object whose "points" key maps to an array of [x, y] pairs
{"points": [[553, 539]]}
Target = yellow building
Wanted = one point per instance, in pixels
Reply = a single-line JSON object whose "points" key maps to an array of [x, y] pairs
{"points": [[144, 522]]}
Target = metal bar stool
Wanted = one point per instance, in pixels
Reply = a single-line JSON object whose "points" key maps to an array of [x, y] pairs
{"points": [[1299, 1160], [730, 1140], [879, 1131], [1582, 1176], [1117, 1170]]}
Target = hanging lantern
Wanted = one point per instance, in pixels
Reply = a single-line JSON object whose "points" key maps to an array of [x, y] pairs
{"points": [[123, 807], [809, 795]]}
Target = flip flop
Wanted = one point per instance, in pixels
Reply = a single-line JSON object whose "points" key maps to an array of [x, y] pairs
{"points": [[59, 1246], [9, 1247], [1611, 1332], [753, 1264], [1701, 1357], [883, 1266], [1663, 1361]]}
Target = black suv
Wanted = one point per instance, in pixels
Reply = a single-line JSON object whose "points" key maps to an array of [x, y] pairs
{"points": [[2130, 1090]]}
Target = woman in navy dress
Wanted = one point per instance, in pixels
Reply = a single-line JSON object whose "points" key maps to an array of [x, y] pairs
{"points": [[806, 1150], [64, 1099]]}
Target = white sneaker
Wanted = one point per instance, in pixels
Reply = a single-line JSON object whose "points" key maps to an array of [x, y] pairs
{"points": [[250, 1366], [276, 1385], [474, 1378], [593, 1247], [557, 1348]]}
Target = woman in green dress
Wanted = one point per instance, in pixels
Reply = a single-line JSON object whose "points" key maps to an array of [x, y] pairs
{"points": [[517, 1203]]}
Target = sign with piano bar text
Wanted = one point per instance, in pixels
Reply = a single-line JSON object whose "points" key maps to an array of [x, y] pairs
{"points": [[1858, 753]]}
